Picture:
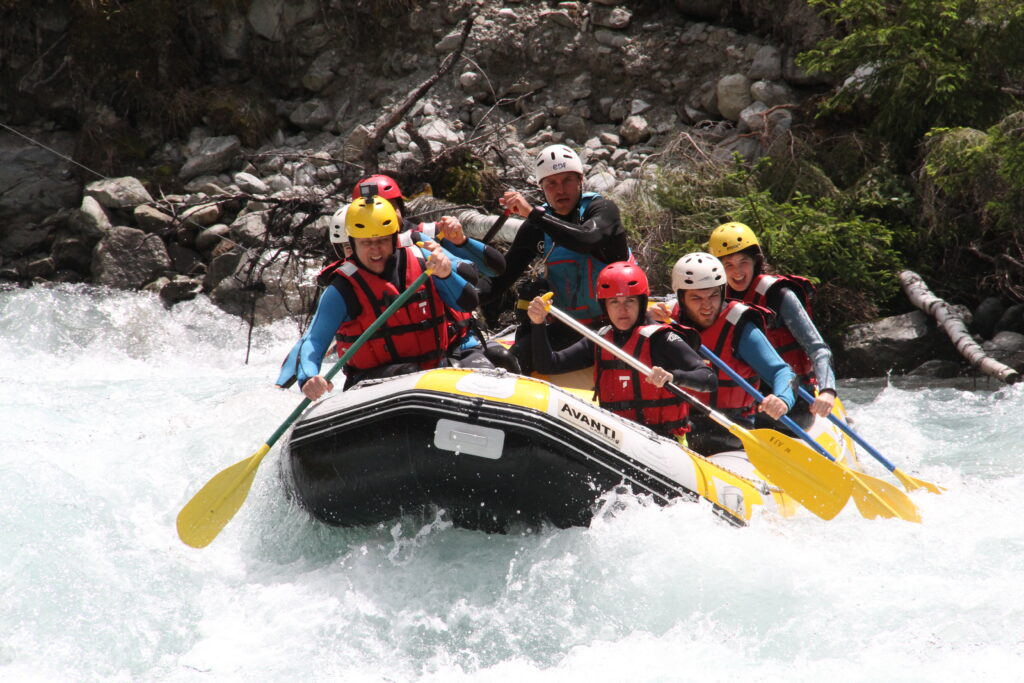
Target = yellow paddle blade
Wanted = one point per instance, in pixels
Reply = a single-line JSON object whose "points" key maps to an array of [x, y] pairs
{"points": [[215, 504], [911, 483], [815, 482], [876, 498]]}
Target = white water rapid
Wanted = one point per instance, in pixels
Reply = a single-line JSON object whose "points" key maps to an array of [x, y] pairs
{"points": [[114, 411]]}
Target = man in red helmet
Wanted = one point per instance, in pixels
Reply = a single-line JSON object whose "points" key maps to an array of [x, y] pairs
{"points": [[622, 291]]}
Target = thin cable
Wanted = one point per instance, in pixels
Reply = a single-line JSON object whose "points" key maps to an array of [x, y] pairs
{"points": [[53, 151]]}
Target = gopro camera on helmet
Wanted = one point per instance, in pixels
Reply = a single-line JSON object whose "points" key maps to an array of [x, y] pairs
{"points": [[368, 190]]}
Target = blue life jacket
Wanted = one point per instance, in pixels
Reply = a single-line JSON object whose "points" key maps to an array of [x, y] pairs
{"points": [[572, 275]]}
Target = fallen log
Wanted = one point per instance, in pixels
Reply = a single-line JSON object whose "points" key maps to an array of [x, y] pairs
{"points": [[952, 323], [474, 223]]}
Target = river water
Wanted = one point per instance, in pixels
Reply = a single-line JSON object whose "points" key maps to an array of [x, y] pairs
{"points": [[114, 411]]}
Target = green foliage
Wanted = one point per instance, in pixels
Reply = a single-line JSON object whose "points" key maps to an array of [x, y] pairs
{"points": [[917, 64], [849, 256], [973, 200], [460, 178]]}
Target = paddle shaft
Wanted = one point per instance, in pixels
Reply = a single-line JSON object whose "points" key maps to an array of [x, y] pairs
{"points": [[497, 226], [821, 490], [806, 395], [566, 319], [875, 497], [338, 366]]}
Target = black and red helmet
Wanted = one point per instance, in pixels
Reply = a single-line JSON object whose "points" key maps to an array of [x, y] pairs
{"points": [[386, 187]]}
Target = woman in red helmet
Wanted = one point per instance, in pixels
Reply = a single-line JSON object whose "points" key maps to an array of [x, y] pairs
{"points": [[622, 291]]}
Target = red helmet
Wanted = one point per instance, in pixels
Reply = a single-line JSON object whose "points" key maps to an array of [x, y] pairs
{"points": [[386, 187], [621, 279]]}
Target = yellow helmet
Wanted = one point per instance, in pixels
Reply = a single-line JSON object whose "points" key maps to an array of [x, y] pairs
{"points": [[728, 238], [373, 217]]}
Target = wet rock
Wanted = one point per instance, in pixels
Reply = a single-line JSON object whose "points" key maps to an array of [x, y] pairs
{"points": [[90, 220], [937, 369], [178, 289], [212, 155], [127, 258], [25, 239], [119, 193], [72, 252], [732, 95], [986, 316], [897, 343], [35, 182], [41, 268], [151, 219]]}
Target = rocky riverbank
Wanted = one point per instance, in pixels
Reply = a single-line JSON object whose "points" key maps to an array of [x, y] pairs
{"points": [[241, 216]]}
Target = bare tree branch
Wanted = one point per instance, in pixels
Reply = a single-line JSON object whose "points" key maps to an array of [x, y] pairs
{"points": [[386, 122]]}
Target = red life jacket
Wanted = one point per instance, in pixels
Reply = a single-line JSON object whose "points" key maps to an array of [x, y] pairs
{"points": [[459, 322], [626, 392], [763, 289], [722, 340], [416, 333]]}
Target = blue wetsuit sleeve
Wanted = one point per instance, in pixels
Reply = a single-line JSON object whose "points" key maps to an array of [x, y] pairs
{"points": [[331, 311], [755, 349], [289, 368], [488, 261], [800, 325], [454, 289]]}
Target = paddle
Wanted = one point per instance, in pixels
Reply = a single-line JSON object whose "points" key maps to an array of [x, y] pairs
{"points": [[213, 506], [816, 484], [874, 497], [497, 226], [909, 482]]}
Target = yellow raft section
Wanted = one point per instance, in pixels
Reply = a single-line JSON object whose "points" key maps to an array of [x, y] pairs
{"points": [[735, 494]]}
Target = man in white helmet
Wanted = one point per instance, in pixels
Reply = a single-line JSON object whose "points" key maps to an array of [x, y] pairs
{"points": [[735, 332], [576, 234]]}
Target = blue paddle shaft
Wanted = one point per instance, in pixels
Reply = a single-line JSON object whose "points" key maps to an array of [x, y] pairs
{"points": [[847, 429], [759, 397]]}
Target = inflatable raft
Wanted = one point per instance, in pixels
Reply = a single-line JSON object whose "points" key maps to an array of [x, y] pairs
{"points": [[495, 451]]}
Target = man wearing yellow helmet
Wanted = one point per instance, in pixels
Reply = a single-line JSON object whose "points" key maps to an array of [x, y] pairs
{"points": [[415, 337], [792, 333]]}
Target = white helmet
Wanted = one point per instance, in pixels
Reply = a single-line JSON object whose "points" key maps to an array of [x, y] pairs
{"points": [[698, 270], [337, 229], [557, 159]]}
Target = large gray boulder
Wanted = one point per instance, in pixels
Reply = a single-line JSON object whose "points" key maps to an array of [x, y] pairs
{"points": [[212, 155], [119, 193], [894, 344], [127, 258], [35, 182], [285, 289]]}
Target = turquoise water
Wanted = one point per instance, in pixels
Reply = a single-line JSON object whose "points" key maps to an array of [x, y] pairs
{"points": [[114, 411]]}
